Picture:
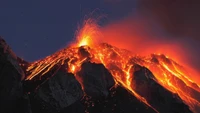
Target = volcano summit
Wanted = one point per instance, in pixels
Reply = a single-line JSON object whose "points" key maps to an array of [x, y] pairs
{"points": [[93, 77]]}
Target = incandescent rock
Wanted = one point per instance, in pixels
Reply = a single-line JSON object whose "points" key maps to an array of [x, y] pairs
{"points": [[59, 91], [11, 74], [96, 79], [157, 96]]}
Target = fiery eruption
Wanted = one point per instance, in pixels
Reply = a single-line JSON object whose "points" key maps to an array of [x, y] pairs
{"points": [[121, 64]]}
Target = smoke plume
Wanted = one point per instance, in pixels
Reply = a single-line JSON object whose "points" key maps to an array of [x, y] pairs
{"points": [[170, 27]]}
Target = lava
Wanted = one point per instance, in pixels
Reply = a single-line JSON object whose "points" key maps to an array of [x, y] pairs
{"points": [[120, 63], [86, 33]]}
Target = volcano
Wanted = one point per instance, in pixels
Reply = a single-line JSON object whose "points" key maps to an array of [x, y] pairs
{"points": [[89, 76]]}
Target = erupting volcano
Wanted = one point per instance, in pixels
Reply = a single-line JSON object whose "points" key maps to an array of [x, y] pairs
{"points": [[147, 78]]}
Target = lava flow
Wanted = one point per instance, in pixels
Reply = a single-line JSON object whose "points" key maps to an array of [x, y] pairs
{"points": [[120, 63]]}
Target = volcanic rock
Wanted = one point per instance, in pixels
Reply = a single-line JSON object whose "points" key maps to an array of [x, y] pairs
{"points": [[119, 100], [11, 74], [160, 98], [96, 79], [58, 92]]}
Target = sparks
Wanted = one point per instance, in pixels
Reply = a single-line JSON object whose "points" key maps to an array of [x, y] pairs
{"points": [[84, 41], [87, 35]]}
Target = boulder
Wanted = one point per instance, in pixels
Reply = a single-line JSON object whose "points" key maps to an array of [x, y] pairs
{"points": [[58, 92], [95, 79]]}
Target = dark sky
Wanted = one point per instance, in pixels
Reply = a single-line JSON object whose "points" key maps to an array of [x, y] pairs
{"points": [[37, 28]]}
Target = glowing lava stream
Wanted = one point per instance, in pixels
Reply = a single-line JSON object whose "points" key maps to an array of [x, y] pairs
{"points": [[120, 62]]}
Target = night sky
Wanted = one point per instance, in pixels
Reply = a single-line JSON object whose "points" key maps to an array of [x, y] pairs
{"points": [[37, 28]]}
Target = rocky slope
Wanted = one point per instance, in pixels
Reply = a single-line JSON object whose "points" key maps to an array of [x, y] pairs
{"points": [[91, 90]]}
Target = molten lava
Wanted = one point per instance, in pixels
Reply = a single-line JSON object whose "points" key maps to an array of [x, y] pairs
{"points": [[120, 63]]}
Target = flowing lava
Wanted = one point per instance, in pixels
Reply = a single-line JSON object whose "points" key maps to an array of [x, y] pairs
{"points": [[120, 63]]}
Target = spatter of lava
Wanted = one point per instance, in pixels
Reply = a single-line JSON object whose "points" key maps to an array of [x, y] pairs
{"points": [[120, 63]]}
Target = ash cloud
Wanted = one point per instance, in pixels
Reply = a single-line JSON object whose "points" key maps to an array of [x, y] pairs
{"points": [[171, 27], [180, 19]]}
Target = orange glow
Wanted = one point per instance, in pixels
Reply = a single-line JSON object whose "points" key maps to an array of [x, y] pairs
{"points": [[84, 41], [174, 78], [120, 62], [85, 35]]}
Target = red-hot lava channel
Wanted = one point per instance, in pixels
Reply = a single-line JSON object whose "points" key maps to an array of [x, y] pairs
{"points": [[167, 72]]}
